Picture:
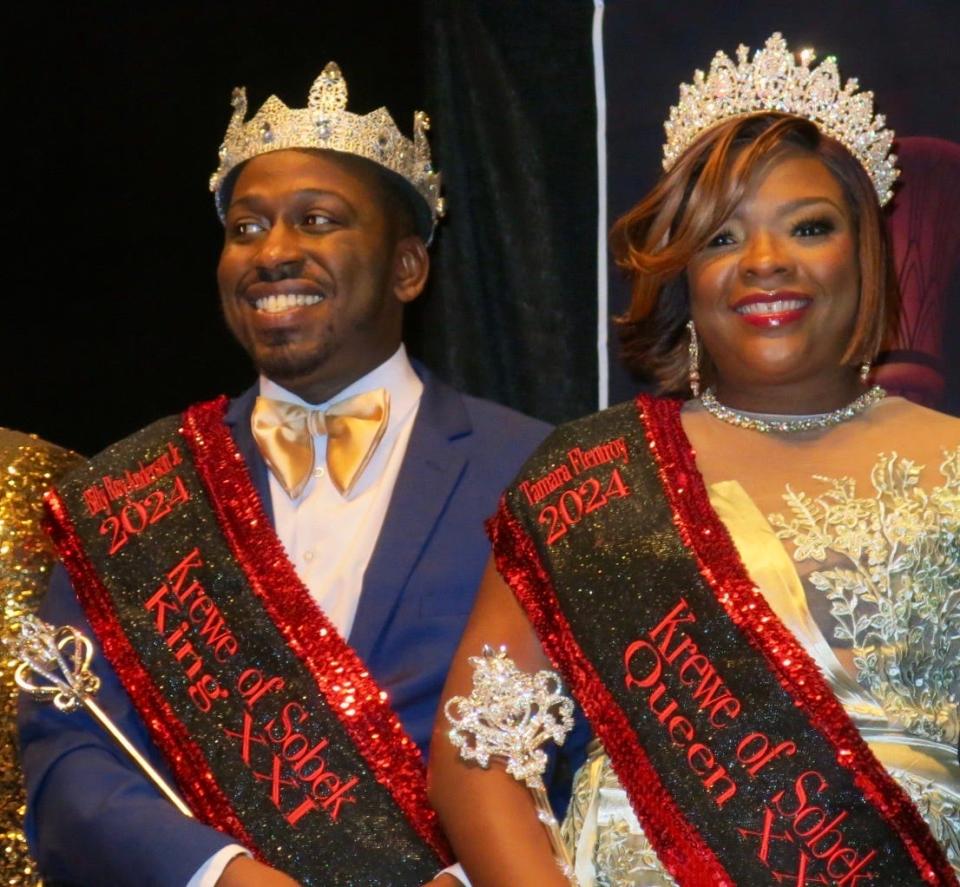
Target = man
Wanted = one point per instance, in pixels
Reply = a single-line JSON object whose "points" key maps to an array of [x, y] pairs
{"points": [[289, 741]]}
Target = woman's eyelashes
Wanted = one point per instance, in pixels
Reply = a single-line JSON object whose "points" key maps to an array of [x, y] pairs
{"points": [[816, 226], [724, 237]]}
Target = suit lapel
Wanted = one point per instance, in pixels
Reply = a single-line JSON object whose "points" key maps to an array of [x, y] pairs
{"points": [[431, 469]]}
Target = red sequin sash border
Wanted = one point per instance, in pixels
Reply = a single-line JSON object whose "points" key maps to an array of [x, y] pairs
{"points": [[195, 780], [705, 536], [341, 677], [679, 846]]}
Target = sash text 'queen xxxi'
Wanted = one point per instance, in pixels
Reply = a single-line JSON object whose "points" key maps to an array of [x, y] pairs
{"points": [[740, 764]]}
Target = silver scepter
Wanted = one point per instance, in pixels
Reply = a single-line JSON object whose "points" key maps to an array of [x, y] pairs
{"points": [[509, 715], [54, 666]]}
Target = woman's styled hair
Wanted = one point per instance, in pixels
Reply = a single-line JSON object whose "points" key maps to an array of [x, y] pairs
{"points": [[655, 241]]}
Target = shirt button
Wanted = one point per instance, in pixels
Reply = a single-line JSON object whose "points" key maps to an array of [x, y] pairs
{"points": [[318, 472], [308, 555]]}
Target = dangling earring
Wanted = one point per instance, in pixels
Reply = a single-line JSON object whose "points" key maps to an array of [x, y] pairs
{"points": [[865, 368], [693, 359]]}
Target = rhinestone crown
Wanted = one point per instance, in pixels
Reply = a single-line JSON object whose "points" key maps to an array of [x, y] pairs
{"points": [[327, 124], [775, 81]]}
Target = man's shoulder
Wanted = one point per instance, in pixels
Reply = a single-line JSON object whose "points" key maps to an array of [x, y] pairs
{"points": [[486, 418], [505, 419], [507, 436]]}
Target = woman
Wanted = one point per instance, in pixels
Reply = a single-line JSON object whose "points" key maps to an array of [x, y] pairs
{"points": [[753, 596]]}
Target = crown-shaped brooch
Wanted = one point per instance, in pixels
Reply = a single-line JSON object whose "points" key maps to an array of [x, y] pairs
{"points": [[327, 124], [776, 81]]}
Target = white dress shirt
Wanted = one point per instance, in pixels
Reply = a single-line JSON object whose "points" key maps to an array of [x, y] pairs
{"points": [[330, 537]]}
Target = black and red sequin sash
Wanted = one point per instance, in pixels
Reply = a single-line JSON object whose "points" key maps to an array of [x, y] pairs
{"points": [[274, 729], [739, 762]]}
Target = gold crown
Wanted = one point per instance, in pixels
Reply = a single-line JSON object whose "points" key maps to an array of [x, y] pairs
{"points": [[327, 124], [774, 81]]}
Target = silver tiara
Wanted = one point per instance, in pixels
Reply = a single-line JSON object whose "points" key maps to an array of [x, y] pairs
{"points": [[327, 124], [775, 81]]}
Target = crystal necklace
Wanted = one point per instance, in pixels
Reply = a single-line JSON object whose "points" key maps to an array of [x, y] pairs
{"points": [[770, 422]]}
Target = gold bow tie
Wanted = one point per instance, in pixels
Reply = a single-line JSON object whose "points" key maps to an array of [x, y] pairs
{"points": [[284, 433]]}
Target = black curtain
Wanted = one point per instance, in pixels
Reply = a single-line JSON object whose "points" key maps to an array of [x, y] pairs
{"points": [[114, 114], [511, 313]]}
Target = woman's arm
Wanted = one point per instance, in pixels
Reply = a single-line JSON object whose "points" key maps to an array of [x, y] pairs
{"points": [[489, 816]]}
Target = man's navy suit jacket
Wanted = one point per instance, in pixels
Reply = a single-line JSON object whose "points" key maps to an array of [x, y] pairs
{"points": [[94, 820]]}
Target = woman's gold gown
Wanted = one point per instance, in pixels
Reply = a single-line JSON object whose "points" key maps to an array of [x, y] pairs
{"points": [[853, 534]]}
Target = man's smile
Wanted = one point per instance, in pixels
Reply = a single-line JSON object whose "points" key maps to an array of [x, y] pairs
{"points": [[282, 297], [285, 302]]}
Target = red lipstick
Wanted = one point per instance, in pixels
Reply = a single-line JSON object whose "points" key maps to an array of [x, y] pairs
{"points": [[773, 309]]}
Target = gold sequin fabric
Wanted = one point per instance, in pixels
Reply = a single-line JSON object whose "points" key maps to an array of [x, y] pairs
{"points": [[28, 467]]}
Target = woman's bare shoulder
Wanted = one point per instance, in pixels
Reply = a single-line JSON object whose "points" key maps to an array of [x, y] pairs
{"points": [[905, 415]]}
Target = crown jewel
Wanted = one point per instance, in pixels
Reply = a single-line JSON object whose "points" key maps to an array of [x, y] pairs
{"points": [[327, 124], [775, 81]]}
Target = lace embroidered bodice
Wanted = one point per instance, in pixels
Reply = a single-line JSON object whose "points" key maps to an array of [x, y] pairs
{"points": [[889, 566], [854, 537]]}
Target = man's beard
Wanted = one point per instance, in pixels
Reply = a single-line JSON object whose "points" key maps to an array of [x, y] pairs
{"points": [[283, 364]]}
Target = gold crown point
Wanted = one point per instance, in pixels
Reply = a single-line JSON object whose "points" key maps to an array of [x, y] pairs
{"points": [[328, 94], [326, 124]]}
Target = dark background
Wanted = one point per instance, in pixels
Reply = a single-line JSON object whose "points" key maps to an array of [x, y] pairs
{"points": [[118, 110], [114, 114]]}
